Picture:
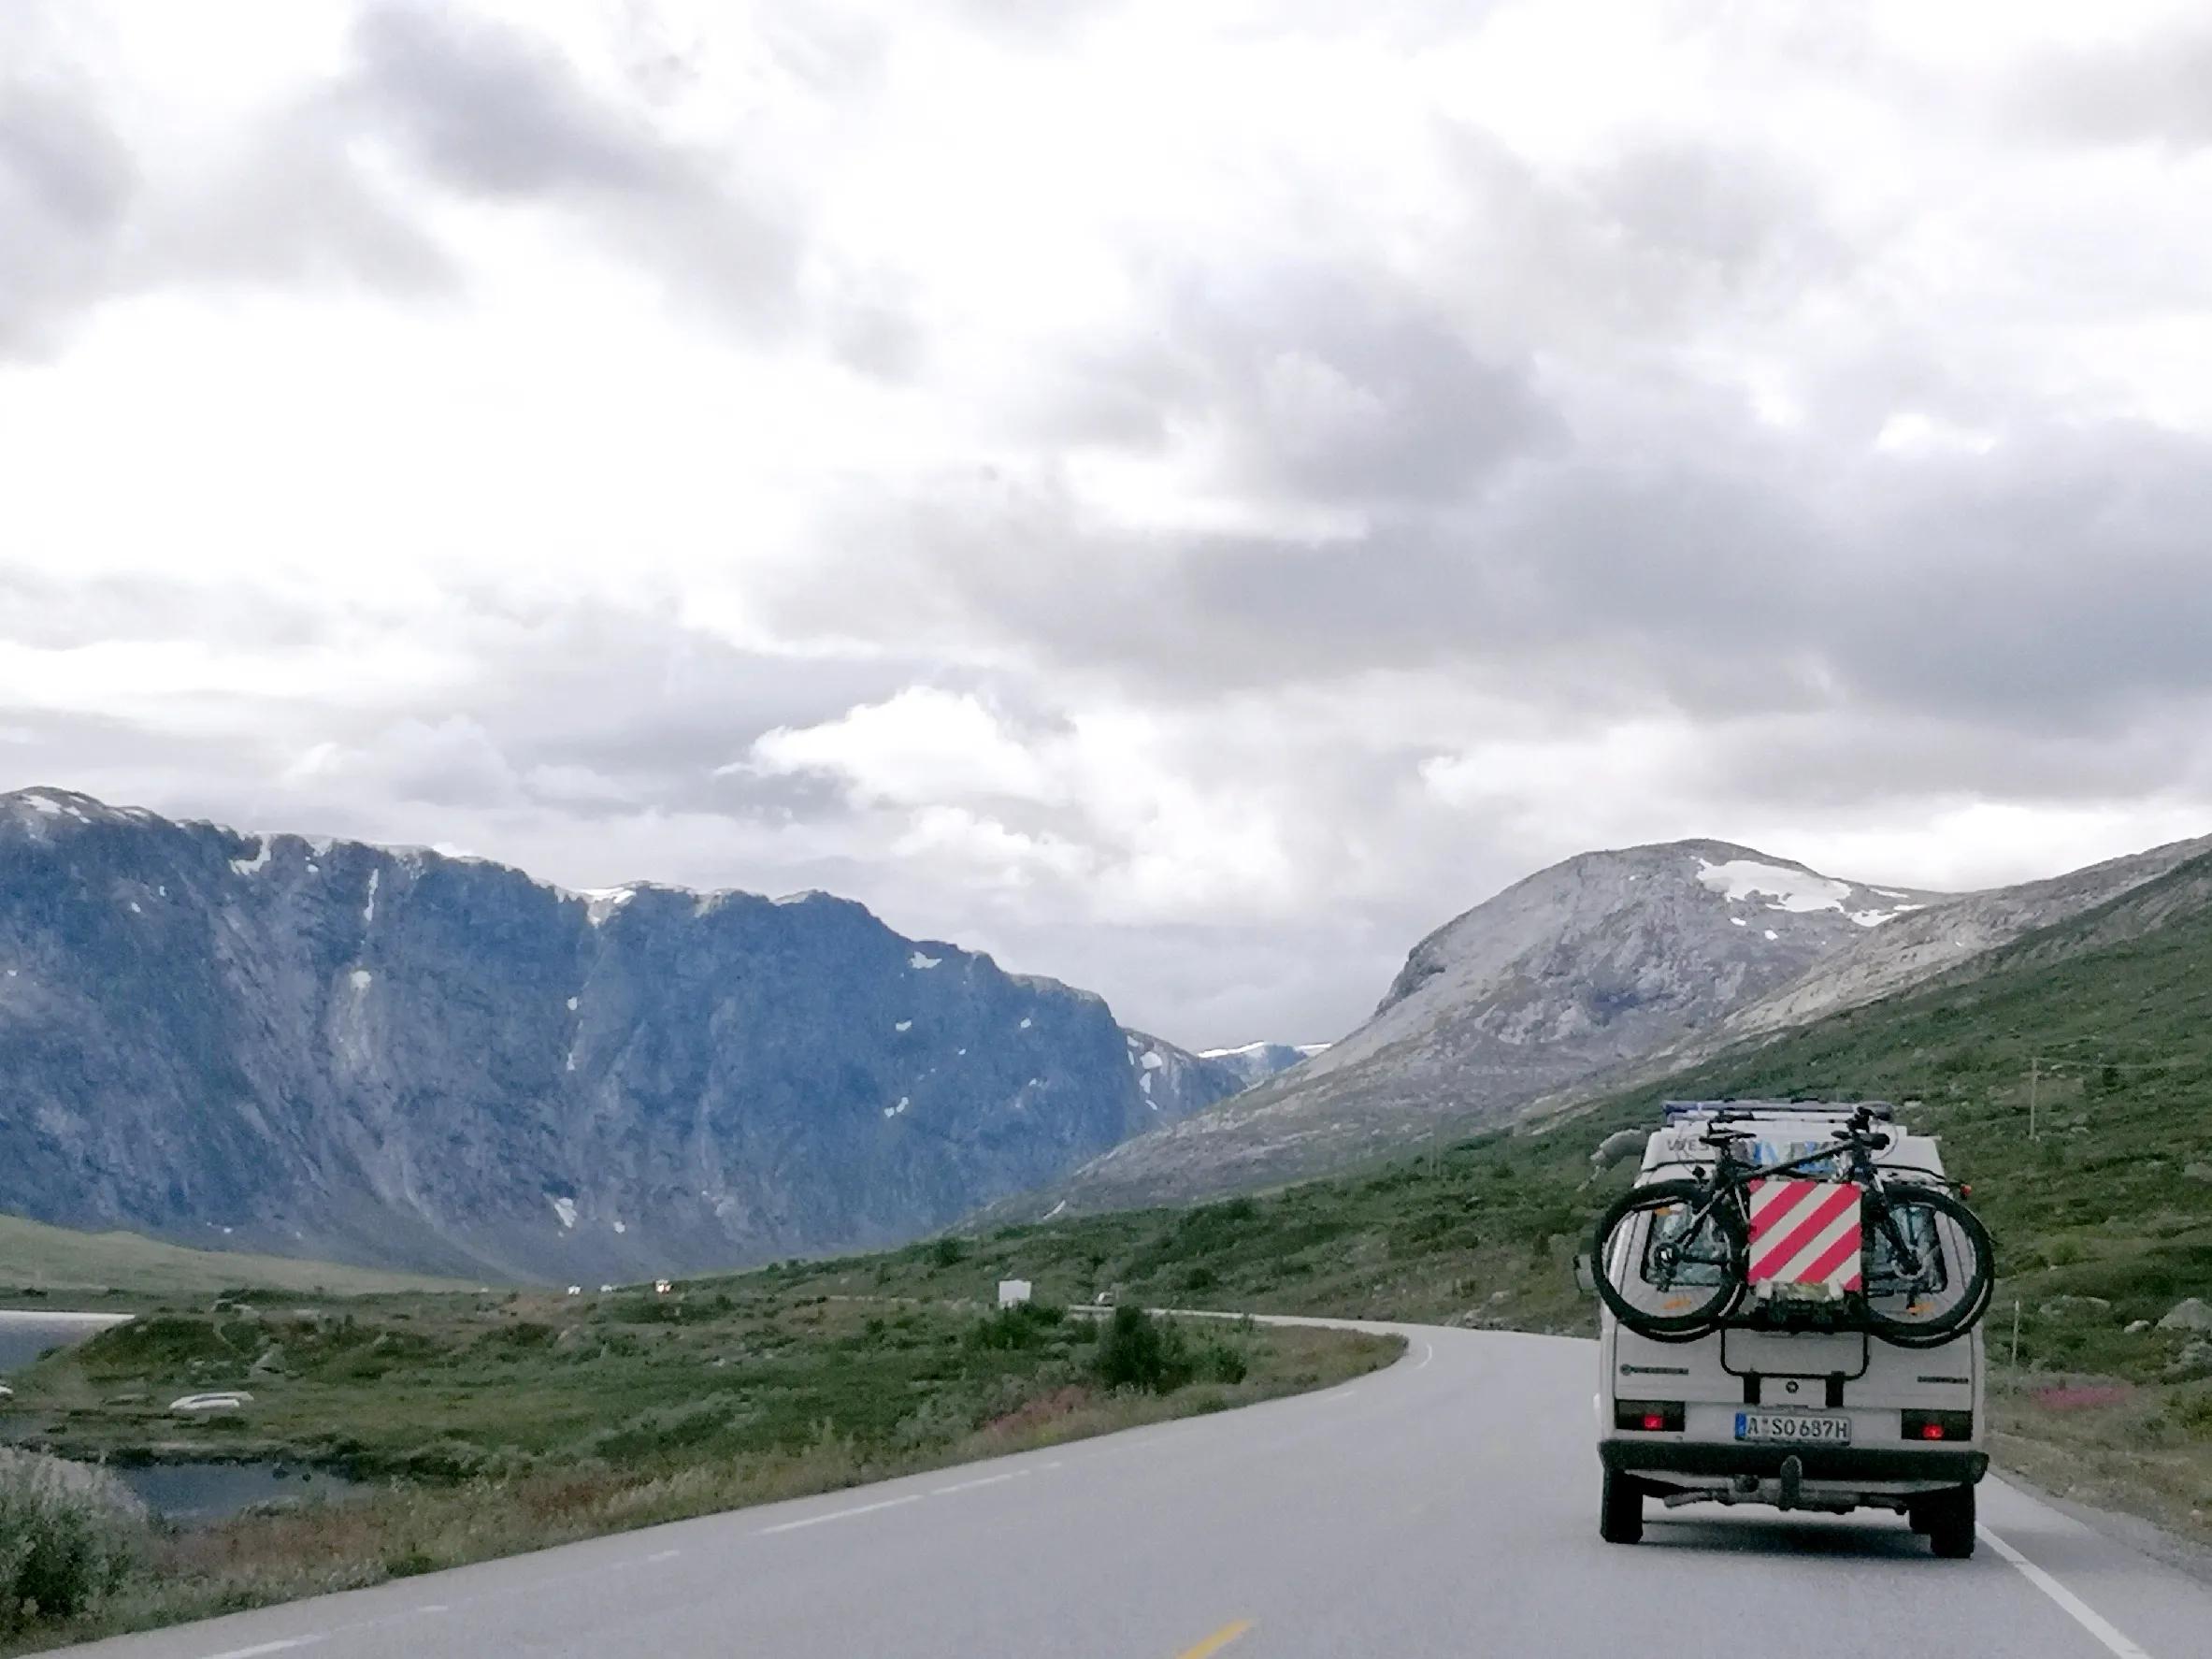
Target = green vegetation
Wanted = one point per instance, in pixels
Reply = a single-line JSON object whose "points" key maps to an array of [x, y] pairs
{"points": [[522, 1418], [96, 1268], [68, 1536], [491, 1424]]}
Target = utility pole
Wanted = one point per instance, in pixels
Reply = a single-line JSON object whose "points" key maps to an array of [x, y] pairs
{"points": [[2035, 1077], [2016, 1333]]}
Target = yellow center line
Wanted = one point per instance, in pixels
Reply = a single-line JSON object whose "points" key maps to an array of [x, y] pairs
{"points": [[1218, 1641]]}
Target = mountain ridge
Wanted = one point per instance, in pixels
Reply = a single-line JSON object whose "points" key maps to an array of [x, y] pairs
{"points": [[403, 1058], [1602, 969]]}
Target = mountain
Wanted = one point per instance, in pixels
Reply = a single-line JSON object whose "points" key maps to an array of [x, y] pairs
{"points": [[396, 1058], [1564, 977], [1256, 1063], [1600, 970], [1916, 947]]}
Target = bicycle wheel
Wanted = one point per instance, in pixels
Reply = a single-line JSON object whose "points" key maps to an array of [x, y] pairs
{"points": [[1934, 1278], [1661, 1277]]}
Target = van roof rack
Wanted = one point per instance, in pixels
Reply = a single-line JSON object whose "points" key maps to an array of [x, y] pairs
{"points": [[1676, 1111]]}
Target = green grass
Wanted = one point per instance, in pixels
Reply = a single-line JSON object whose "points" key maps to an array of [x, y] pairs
{"points": [[93, 1269], [498, 1424]]}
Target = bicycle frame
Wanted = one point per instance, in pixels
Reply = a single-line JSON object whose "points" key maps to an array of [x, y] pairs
{"points": [[1730, 1177]]}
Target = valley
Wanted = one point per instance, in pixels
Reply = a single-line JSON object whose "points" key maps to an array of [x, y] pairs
{"points": [[2065, 1064]]}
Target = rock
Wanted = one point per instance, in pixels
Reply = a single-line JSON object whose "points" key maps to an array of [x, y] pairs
{"points": [[2192, 1314], [215, 1404], [1624, 1143], [2136, 1327], [2197, 1171], [2066, 1308], [2193, 1360]]}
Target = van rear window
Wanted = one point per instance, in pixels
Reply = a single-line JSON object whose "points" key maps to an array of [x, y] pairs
{"points": [[1703, 1257]]}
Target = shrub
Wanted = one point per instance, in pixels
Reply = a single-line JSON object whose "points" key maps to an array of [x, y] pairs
{"points": [[947, 1252], [1027, 1324], [1218, 1362], [68, 1533], [1138, 1351]]}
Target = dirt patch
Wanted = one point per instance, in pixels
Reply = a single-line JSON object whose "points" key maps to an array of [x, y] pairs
{"points": [[2084, 1396], [1035, 1414]]}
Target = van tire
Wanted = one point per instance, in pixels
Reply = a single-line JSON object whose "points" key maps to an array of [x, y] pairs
{"points": [[1948, 1518], [1620, 1509]]}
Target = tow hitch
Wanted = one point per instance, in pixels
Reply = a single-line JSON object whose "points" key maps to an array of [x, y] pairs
{"points": [[1793, 1482]]}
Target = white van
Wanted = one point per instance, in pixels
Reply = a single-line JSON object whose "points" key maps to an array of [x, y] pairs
{"points": [[1798, 1419]]}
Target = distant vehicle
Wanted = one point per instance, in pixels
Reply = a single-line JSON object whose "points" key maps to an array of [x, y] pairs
{"points": [[1790, 1400]]}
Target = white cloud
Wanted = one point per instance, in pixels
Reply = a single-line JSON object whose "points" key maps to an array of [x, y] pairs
{"points": [[1328, 462], [922, 745]]}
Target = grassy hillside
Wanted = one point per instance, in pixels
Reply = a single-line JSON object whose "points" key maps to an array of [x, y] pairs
{"points": [[89, 1269], [2103, 1217]]}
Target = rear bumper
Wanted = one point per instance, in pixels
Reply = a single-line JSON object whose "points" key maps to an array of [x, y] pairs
{"points": [[1840, 1463]]}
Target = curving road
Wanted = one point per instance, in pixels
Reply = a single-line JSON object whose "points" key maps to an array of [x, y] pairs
{"points": [[1445, 1507]]}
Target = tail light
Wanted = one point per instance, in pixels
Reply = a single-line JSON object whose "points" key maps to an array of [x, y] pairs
{"points": [[1939, 1426], [1648, 1417]]}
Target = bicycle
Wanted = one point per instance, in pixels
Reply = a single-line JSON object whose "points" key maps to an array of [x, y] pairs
{"points": [[1673, 1259]]}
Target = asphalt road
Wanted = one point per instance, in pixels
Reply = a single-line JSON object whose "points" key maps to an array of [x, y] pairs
{"points": [[1446, 1506]]}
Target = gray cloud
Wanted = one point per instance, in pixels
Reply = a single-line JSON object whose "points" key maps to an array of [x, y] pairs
{"points": [[87, 222], [492, 111], [65, 189]]}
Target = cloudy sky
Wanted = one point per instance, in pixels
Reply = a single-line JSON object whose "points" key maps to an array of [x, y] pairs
{"points": [[1183, 496]]}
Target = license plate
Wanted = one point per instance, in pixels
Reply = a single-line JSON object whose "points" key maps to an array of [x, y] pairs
{"points": [[1794, 1426]]}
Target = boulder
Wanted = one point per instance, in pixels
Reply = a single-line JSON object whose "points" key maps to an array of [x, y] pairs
{"points": [[2193, 1360], [1623, 1143], [2192, 1315], [211, 1404], [2136, 1327]]}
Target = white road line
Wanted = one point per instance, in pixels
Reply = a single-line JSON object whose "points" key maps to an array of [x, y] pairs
{"points": [[1428, 1353], [2072, 1605], [665, 1555], [433, 1606], [275, 1646], [939, 1491], [838, 1515]]}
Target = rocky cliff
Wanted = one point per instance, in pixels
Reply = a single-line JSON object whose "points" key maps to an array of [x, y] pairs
{"points": [[398, 1057]]}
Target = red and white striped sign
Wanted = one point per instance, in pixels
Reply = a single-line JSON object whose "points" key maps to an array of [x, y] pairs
{"points": [[1805, 1236]]}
